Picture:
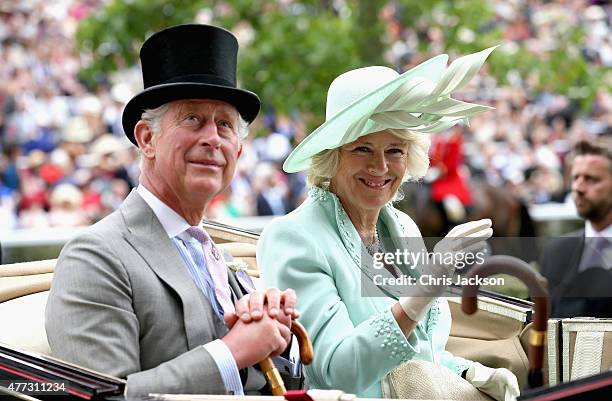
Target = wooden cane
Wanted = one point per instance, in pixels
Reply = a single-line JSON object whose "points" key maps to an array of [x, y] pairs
{"points": [[538, 291], [306, 355]]}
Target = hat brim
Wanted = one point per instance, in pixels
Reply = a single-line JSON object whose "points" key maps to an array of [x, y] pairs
{"points": [[329, 134], [247, 103]]}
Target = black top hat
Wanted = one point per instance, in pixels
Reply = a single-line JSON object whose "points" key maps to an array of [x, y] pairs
{"points": [[189, 62]]}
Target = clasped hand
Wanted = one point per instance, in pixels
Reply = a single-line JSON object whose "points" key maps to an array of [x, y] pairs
{"points": [[261, 325]]}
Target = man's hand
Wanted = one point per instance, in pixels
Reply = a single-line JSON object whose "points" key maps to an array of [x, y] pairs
{"points": [[261, 326], [279, 304], [258, 339]]}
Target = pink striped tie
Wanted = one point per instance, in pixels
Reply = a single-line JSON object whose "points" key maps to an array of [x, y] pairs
{"points": [[216, 267]]}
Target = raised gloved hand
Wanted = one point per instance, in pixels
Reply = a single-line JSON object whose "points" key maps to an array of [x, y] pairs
{"points": [[467, 237], [501, 384]]}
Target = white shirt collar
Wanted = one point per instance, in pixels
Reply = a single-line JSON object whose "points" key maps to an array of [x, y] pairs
{"points": [[173, 223], [589, 231]]}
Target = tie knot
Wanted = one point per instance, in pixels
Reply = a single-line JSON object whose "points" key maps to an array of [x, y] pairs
{"points": [[199, 234], [598, 242]]}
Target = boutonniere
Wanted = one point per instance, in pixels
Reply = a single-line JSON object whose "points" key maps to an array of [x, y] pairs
{"points": [[240, 267], [237, 265]]}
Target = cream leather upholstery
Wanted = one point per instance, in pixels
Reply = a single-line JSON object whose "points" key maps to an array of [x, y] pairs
{"points": [[24, 288], [24, 323], [19, 279]]}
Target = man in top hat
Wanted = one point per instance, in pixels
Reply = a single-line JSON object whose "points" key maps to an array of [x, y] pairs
{"points": [[578, 266], [145, 294]]}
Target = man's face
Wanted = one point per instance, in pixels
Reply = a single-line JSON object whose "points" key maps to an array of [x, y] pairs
{"points": [[196, 150], [592, 186]]}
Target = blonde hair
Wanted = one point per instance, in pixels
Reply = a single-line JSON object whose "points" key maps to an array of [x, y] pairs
{"points": [[325, 164]]}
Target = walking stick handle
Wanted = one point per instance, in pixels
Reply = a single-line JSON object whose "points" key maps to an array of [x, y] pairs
{"points": [[306, 355], [306, 350], [538, 291]]}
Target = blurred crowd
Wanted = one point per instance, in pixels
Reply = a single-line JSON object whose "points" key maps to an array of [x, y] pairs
{"points": [[65, 161]]}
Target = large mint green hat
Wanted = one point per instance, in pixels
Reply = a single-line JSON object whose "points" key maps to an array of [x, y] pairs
{"points": [[372, 99]]}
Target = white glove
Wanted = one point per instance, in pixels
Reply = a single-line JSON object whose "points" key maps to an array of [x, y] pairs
{"points": [[467, 237], [500, 384], [416, 307]]}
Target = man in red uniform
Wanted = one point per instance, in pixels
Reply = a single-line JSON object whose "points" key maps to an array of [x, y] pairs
{"points": [[450, 189]]}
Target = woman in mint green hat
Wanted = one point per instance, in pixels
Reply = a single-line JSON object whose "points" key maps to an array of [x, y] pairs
{"points": [[374, 138]]}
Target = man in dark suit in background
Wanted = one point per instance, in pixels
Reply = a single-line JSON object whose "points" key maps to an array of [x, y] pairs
{"points": [[578, 266]]}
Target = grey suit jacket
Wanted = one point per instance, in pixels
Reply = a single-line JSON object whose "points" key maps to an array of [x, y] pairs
{"points": [[123, 303]]}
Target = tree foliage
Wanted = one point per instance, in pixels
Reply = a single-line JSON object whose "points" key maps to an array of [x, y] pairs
{"points": [[112, 35], [295, 52], [296, 48]]}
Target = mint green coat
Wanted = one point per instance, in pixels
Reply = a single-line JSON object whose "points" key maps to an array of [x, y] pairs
{"points": [[316, 250]]}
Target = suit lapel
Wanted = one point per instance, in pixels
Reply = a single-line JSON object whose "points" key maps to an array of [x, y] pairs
{"points": [[241, 277], [150, 240], [234, 286], [577, 254], [575, 242]]}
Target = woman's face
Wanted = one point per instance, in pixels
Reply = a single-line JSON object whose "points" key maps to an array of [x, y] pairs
{"points": [[370, 171]]}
